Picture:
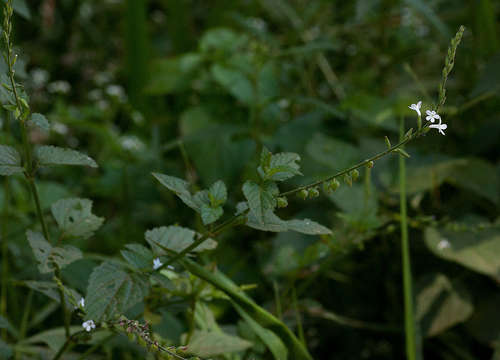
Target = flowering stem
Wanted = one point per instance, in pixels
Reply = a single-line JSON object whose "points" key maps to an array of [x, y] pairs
{"points": [[407, 280], [360, 164]]}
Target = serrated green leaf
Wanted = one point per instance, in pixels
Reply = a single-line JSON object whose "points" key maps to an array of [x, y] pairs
{"points": [[212, 343], [269, 338], [138, 256], [440, 304], [175, 238], [217, 193], [113, 291], [48, 256], [179, 187], [74, 217], [10, 161], [261, 199], [278, 167], [39, 121], [210, 214], [48, 155], [50, 289]]}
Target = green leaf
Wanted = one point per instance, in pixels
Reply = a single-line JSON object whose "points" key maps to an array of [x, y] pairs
{"points": [[39, 121], [138, 256], [210, 214], [48, 256], [22, 9], [234, 81], [50, 289], [5, 324], [212, 343], [261, 199], [112, 291], [278, 167], [273, 223], [441, 304], [54, 338], [173, 75], [179, 187], [10, 161], [5, 350], [259, 314], [221, 39], [269, 338], [74, 217], [485, 322], [335, 154], [48, 155], [217, 193], [175, 238], [477, 251]]}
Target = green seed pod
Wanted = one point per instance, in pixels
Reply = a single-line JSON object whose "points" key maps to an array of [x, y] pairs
{"points": [[334, 184], [354, 175], [370, 164], [282, 202], [326, 188], [348, 179], [313, 192], [303, 194]]}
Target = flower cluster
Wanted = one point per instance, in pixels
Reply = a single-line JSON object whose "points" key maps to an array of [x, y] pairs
{"points": [[89, 325], [431, 116]]}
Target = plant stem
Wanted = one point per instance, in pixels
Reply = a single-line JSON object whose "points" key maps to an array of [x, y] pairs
{"points": [[63, 302], [298, 318], [5, 248], [358, 165], [407, 280]]}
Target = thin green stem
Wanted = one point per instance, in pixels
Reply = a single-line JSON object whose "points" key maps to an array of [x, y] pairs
{"points": [[407, 279], [358, 165], [5, 248], [26, 312], [65, 312], [298, 318]]}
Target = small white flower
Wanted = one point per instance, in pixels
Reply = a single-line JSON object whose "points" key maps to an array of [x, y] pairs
{"points": [[88, 325], [170, 267], [443, 244], [432, 115], [416, 107], [157, 263], [81, 303], [439, 126]]}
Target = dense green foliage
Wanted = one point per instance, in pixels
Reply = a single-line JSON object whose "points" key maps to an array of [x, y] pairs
{"points": [[211, 177]]}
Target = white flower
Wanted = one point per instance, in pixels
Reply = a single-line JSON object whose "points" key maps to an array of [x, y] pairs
{"points": [[432, 115], [443, 244], [416, 107], [170, 267], [157, 263], [81, 303], [439, 126], [88, 325]]}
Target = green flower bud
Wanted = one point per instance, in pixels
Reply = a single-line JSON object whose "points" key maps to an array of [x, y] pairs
{"points": [[303, 194], [348, 179], [370, 164], [354, 175], [282, 202], [313, 192], [334, 184]]}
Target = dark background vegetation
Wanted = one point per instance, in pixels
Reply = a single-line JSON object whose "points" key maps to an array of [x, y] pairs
{"points": [[195, 88]]}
